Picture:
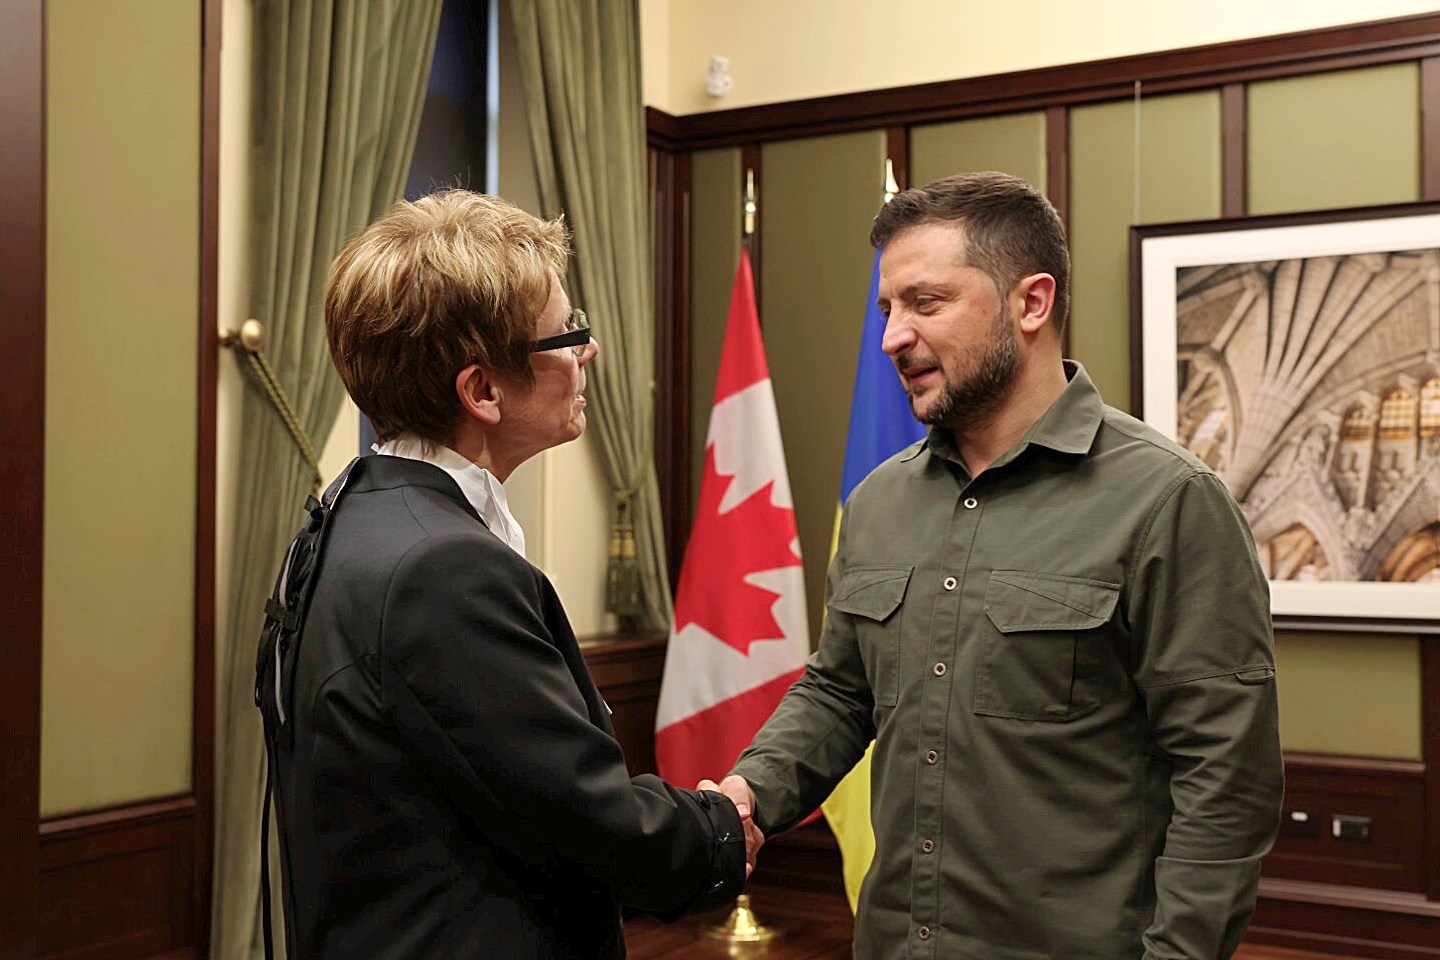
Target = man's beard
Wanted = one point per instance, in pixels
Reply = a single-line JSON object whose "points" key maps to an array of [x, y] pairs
{"points": [[982, 392]]}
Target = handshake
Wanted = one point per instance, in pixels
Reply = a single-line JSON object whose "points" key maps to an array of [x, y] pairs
{"points": [[739, 793]]}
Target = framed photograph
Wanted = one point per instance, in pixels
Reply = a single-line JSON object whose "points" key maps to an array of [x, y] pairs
{"points": [[1299, 356]]}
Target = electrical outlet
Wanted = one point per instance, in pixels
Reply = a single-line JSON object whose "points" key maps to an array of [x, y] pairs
{"points": [[1343, 827], [1301, 824]]}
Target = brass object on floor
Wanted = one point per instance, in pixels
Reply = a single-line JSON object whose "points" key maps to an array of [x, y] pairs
{"points": [[742, 926]]}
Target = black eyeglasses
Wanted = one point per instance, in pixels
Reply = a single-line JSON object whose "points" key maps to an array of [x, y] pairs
{"points": [[576, 335]]}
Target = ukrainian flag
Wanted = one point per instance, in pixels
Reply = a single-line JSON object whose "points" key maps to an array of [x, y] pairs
{"points": [[881, 425]]}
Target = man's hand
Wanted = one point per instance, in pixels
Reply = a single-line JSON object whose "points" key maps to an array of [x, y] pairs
{"points": [[740, 794]]}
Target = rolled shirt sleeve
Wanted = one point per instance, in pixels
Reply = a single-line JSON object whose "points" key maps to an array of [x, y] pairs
{"points": [[821, 728], [1204, 666]]}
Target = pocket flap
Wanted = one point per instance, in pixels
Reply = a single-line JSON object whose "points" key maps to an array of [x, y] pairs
{"points": [[1018, 600], [871, 592]]}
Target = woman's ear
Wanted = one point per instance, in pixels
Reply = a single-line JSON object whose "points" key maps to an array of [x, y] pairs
{"points": [[480, 396]]}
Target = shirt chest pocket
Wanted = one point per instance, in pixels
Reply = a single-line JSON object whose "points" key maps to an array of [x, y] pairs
{"points": [[874, 597], [1043, 631]]}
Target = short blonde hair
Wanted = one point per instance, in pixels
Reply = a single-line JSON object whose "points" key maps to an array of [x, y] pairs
{"points": [[432, 286]]}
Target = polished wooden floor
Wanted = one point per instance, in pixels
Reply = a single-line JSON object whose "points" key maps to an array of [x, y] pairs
{"points": [[812, 926]]}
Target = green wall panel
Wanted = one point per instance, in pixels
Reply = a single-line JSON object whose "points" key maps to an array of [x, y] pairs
{"points": [[1178, 179], [819, 197], [715, 208], [121, 395], [1349, 694], [1344, 139], [1013, 144]]}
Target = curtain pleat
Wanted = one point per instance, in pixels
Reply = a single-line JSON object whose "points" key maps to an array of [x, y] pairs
{"points": [[339, 86], [580, 66]]}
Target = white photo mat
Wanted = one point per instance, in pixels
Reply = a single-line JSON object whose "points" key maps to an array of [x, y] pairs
{"points": [[1160, 257]]}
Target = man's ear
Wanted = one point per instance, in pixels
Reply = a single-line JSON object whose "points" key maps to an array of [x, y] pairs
{"points": [[480, 396], [1034, 299]]}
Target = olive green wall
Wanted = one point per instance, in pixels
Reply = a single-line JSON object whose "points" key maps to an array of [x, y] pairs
{"points": [[1349, 694], [1338, 139], [1346, 139], [715, 210], [820, 195], [1178, 179], [1012, 143], [123, 163]]}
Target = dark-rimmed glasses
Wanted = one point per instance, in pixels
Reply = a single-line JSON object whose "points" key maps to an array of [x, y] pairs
{"points": [[576, 335]]}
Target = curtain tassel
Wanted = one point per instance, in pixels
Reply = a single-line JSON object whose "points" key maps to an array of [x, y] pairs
{"points": [[622, 581]]}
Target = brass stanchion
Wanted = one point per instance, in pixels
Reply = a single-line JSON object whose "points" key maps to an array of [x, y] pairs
{"points": [[742, 926]]}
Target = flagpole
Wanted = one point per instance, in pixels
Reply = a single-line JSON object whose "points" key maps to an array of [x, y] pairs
{"points": [[742, 926]]}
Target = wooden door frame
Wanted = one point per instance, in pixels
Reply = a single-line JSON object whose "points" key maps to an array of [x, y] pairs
{"points": [[23, 239], [22, 468]]}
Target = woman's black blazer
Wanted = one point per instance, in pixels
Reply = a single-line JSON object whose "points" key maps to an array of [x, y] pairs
{"points": [[448, 784]]}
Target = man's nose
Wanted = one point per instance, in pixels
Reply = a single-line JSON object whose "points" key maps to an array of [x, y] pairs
{"points": [[899, 335], [592, 347]]}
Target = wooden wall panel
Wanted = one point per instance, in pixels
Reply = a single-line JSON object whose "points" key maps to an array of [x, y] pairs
{"points": [[118, 885], [1349, 921], [627, 672], [820, 197], [1391, 795]]}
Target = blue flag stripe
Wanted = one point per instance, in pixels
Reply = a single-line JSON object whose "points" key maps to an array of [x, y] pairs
{"points": [[881, 423]]}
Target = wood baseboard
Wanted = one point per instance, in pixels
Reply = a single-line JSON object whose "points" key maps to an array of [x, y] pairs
{"points": [[1389, 794], [119, 884], [1353, 921]]}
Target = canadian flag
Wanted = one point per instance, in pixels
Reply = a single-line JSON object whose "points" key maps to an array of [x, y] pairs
{"points": [[740, 636]]}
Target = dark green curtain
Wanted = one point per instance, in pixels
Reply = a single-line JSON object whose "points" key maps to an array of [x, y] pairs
{"points": [[338, 90], [580, 63]]}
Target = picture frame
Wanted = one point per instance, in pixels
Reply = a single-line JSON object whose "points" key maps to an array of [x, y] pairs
{"points": [[1299, 356]]}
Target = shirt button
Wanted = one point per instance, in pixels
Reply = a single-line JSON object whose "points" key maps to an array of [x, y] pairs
{"points": [[971, 503], [932, 757], [950, 583], [939, 669], [924, 933], [927, 846]]}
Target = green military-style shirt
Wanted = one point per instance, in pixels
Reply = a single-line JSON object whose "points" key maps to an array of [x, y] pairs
{"points": [[1067, 668]]}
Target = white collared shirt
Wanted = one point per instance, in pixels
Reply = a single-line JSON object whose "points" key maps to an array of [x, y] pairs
{"points": [[479, 485]]}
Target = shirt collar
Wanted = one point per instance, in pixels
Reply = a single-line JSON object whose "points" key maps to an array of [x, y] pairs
{"points": [[1069, 426], [479, 485], [1072, 421]]}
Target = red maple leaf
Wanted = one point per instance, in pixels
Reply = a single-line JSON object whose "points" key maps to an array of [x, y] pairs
{"points": [[723, 550]]}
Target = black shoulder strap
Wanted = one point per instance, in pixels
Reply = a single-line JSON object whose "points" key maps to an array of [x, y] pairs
{"points": [[275, 659]]}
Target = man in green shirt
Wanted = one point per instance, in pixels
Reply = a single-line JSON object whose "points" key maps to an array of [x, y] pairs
{"points": [[1051, 621]]}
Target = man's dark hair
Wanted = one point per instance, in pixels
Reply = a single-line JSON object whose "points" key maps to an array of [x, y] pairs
{"points": [[1011, 230]]}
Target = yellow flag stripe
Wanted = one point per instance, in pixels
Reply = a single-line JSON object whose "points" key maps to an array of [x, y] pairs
{"points": [[848, 808]]}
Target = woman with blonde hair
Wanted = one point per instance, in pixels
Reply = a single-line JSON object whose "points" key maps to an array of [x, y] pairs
{"points": [[446, 777]]}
